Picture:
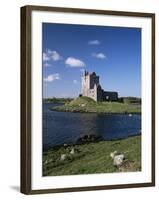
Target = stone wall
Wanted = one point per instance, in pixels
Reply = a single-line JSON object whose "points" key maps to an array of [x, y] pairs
{"points": [[110, 96]]}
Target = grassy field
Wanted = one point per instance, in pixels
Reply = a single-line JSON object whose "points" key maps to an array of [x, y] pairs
{"points": [[85, 104], [93, 158]]}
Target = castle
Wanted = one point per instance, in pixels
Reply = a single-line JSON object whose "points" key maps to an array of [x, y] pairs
{"points": [[91, 88]]}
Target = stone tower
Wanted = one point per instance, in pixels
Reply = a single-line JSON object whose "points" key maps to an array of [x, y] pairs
{"points": [[90, 84], [91, 88]]}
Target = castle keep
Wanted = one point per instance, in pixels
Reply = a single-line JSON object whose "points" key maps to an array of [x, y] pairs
{"points": [[91, 88]]}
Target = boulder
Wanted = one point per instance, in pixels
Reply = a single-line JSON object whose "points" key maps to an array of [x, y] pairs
{"points": [[72, 151], [126, 166], [63, 157], [118, 160], [89, 138]]}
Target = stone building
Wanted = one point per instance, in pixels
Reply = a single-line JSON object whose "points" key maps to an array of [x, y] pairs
{"points": [[91, 88]]}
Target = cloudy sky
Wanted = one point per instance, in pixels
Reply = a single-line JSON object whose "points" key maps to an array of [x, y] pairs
{"points": [[114, 53]]}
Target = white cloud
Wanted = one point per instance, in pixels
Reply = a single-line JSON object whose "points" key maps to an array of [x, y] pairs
{"points": [[46, 64], [99, 55], [74, 62], [52, 77], [45, 57], [51, 55], [94, 42], [75, 81], [55, 56]]}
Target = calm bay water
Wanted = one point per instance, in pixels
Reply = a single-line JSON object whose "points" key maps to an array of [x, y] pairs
{"points": [[67, 127]]}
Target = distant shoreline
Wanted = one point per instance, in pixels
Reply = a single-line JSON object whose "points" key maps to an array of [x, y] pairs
{"points": [[57, 100]]}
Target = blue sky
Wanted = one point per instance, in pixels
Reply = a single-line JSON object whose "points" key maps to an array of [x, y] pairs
{"points": [[114, 53]]}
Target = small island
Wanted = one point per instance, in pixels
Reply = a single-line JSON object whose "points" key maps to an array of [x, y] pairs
{"points": [[88, 105], [93, 99]]}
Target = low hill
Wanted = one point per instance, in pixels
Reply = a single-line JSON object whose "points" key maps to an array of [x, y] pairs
{"points": [[82, 101]]}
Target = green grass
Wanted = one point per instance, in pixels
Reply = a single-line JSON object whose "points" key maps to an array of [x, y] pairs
{"points": [[92, 157], [86, 104]]}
